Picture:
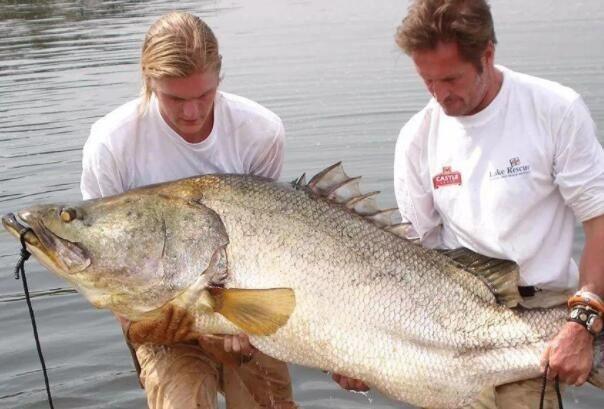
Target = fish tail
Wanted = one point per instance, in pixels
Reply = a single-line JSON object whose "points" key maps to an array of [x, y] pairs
{"points": [[596, 377]]}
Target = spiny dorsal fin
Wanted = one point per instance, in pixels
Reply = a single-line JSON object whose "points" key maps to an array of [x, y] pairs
{"points": [[364, 205], [322, 182], [402, 230], [336, 186], [300, 182], [344, 191], [386, 217], [501, 276]]}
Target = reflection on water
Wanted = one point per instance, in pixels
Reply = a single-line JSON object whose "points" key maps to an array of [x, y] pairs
{"points": [[7, 298], [329, 69]]}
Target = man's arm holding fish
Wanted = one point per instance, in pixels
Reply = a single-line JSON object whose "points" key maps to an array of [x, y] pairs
{"points": [[570, 353], [579, 173]]}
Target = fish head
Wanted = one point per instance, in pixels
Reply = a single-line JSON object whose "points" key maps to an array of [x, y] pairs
{"points": [[130, 253]]}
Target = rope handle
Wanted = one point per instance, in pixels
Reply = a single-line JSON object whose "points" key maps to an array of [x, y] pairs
{"points": [[544, 386], [20, 271]]}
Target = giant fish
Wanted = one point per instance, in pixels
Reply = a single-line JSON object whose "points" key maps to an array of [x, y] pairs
{"points": [[313, 272]]}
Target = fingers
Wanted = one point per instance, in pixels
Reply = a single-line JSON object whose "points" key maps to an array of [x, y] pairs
{"points": [[581, 380], [239, 343], [228, 343], [544, 359], [544, 364], [569, 355], [350, 384]]}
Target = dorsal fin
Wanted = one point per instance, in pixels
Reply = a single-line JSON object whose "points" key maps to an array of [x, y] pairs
{"points": [[300, 182], [501, 276], [402, 230], [333, 184], [323, 182], [346, 190], [336, 186], [364, 204], [386, 217]]}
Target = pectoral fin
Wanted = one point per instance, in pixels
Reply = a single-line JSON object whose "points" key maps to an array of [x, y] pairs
{"points": [[256, 312]]}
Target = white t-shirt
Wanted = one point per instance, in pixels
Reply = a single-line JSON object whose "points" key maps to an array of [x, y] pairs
{"points": [[508, 182], [126, 150]]}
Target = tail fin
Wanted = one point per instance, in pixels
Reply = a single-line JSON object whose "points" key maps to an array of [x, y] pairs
{"points": [[596, 377]]}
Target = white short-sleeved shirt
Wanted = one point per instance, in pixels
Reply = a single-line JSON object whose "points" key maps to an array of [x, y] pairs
{"points": [[127, 149], [508, 182]]}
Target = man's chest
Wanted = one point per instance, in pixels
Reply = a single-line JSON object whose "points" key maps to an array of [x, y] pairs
{"points": [[489, 172]]}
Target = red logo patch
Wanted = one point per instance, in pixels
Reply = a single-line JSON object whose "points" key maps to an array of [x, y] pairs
{"points": [[447, 177]]}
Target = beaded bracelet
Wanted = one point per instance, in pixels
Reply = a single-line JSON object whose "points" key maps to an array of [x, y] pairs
{"points": [[586, 298]]}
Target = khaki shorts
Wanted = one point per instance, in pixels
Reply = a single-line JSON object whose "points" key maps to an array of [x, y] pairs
{"points": [[185, 376]]}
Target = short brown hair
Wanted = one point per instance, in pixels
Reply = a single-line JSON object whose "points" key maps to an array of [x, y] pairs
{"points": [[177, 45], [468, 23]]}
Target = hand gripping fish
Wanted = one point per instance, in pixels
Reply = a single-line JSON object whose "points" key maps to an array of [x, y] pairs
{"points": [[313, 272]]}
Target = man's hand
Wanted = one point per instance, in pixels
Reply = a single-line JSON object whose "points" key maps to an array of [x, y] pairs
{"points": [[171, 326], [350, 384], [239, 343], [570, 355], [231, 350]]}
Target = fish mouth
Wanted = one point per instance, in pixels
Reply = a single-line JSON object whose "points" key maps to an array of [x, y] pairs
{"points": [[15, 228], [56, 253]]}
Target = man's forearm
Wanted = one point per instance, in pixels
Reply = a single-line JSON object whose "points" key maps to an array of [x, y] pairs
{"points": [[592, 261]]}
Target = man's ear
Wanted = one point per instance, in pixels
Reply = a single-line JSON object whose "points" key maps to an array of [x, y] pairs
{"points": [[488, 56]]}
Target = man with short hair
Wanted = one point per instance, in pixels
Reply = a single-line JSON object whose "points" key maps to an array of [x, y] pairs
{"points": [[184, 126], [504, 164]]}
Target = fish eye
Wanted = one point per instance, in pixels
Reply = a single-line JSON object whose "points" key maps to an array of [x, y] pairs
{"points": [[68, 214]]}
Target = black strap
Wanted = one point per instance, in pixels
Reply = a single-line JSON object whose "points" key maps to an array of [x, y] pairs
{"points": [[527, 291], [543, 387], [19, 269]]}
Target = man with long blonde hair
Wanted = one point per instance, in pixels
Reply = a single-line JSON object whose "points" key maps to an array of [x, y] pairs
{"points": [[182, 126]]}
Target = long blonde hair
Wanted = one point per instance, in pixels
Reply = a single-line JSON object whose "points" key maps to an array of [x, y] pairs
{"points": [[177, 45]]}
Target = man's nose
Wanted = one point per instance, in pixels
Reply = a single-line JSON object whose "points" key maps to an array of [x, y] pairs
{"points": [[440, 91], [190, 109]]}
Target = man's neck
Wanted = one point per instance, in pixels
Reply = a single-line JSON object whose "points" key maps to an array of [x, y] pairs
{"points": [[495, 81]]}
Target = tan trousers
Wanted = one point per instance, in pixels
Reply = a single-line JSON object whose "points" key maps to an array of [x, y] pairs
{"points": [[517, 395], [184, 376], [524, 394]]}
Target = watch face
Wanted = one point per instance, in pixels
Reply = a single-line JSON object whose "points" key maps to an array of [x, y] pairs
{"points": [[595, 324]]}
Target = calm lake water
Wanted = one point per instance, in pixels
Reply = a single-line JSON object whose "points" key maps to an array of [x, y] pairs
{"points": [[330, 69]]}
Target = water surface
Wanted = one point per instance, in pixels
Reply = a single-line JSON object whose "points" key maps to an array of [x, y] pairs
{"points": [[330, 69]]}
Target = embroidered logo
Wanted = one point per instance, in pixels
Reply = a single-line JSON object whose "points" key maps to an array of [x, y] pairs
{"points": [[447, 177], [516, 168]]}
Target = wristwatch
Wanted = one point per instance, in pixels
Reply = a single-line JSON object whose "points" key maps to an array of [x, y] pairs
{"points": [[587, 317], [594, 324]]}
